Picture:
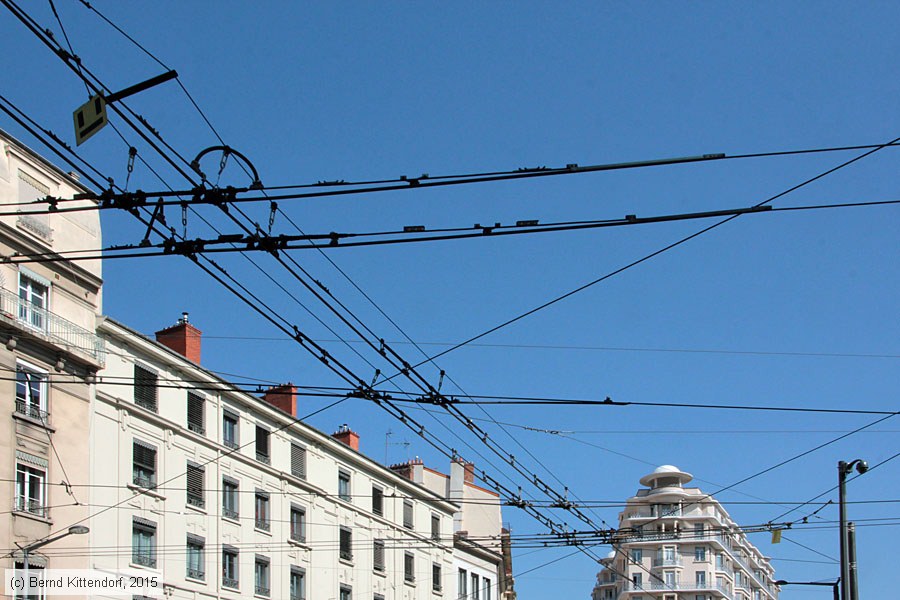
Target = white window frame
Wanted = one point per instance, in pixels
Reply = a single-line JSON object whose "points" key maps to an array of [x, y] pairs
{"points": [[29, 474], [42, 390], [30, 313]]}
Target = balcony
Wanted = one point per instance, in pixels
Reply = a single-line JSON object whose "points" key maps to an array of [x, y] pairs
{"points": [[263, 458], [680, 586], [262, 590], [33, 411], [198, 574], [229, 582], [229, 513], [32, 507], [145, 560], [263, 525], [672, 561], [47, 325], [298, 536], [196, 501]]}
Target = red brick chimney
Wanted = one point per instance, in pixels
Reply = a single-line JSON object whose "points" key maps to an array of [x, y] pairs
{"points": [[283, 397], [407, 469], [469, 476], [346, 436], [183, 338]]}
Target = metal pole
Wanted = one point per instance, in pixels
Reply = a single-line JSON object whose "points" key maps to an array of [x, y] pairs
{"points": [[25, 561], [851, 559], [842, 474], [837, 590]]}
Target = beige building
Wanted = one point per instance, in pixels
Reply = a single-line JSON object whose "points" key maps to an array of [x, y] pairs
{"points": [[49, 354], [681, 545]]}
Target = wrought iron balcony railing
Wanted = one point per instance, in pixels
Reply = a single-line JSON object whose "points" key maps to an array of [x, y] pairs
{"points": [[145, 560], [34, 507], [57, 329], [30, 410]]}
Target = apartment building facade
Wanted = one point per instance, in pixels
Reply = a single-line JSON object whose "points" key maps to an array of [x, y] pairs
{"points": [[227, 495], [49, 355], [681, 544]]}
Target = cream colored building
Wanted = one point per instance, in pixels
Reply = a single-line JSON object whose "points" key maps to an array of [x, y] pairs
{"points": [[226, 495], [682, 545], [48, 356]]}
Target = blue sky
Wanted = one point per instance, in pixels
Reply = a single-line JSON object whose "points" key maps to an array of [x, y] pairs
{"points": [[788, 309]]}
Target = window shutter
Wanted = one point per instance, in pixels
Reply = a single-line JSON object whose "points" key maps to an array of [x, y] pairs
{"points": [[145, 388], [195, 413], [262, 441], [144, 455], [378, 562], [407, 514], [298, 461], [195, 484]]}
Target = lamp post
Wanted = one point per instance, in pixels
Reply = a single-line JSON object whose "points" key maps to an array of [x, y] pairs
{"points": [[834, 586], [26, 550], [844, 469]]}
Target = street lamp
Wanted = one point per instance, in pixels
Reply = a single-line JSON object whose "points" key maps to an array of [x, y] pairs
{"points": [[26, 550], [848, 572], [834, 585]]}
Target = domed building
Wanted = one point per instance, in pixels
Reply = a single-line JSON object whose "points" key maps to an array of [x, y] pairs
{"points": [[680, 544]]}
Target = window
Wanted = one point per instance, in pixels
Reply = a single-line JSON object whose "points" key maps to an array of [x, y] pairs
{"points": [[378, 597], [196, 565], [195, 478], [262, 444], [346, 544], [230, 570], [408, 514], [409, 567], [700, 553], [145, 388], [262, 510], [344, 485], [474, 591], [636, 580], [20, 566], [261, 572], [31, 392], [636, 555], [33, 301], [699, 530], [31, 489], [436, 577], [298, 461], [487, 589], [230, 498], [435, 528], [669, 578], [720, 561], [143, 542], [230, 436], [144, 464], [700, 578], [34, 191], [462, 584], [195, 412], [346, 593], [377, 500], [298, 524], [378, 559], [298, 584]]}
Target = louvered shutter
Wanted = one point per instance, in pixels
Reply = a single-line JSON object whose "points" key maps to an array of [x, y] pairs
{"points": [[195, 413], [145, 388], [298, 461]]}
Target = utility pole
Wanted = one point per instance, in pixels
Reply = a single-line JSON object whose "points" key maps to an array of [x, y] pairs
{"points": [[844, 469], [851, 560]]}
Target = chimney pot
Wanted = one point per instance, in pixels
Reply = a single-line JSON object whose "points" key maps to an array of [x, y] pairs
{"points": [[345, 435], [183, 338]]}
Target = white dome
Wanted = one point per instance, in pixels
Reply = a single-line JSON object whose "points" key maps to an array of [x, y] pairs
{"points": [[669, 472], [611, 554]]}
